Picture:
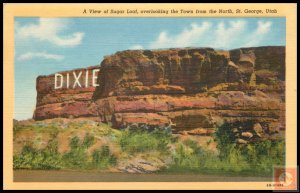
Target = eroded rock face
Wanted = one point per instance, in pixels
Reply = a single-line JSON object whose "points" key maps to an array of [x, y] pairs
{"points": [[70, 97], [193, 88], [174, 71], [190, 112]]}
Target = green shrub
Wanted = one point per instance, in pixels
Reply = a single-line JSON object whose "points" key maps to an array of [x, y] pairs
{"points": [[225, 140], [139, 140], [184, 157], [31, 158], [103, 158], [77, 156]]}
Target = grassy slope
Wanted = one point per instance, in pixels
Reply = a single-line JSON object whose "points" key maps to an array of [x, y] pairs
{"points": [[85, 144]]}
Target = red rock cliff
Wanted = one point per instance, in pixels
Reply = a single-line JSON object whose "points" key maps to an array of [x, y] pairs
{"points": [[195, 88]]}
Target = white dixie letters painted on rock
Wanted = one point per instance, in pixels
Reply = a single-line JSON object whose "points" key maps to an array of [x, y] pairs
{"points": [[95, 77], [59, 79]]}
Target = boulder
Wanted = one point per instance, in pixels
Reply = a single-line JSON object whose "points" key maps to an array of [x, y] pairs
{"points": [[241, 141], [202, 131], [247, 134], [235, 130], [258, 129]]}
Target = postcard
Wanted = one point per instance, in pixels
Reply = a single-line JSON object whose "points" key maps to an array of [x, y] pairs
{"points": [[150, 96]]}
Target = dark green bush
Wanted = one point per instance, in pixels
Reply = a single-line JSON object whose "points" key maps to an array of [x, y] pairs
{"points": [[103, 158], [76, 157]]}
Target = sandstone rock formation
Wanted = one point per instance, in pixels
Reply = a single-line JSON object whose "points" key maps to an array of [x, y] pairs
{"points": [[194, 88], [67, 101]]}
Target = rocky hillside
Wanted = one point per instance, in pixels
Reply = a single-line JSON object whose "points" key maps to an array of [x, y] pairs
{"points": [[194, 90]]}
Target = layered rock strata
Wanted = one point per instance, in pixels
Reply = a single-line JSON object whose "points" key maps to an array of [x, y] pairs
{"points": [[192, 89]]}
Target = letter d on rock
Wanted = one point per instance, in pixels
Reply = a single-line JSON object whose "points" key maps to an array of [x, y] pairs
{"points": [[61, 81]]}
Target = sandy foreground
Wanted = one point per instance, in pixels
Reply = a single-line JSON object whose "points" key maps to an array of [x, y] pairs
{"points": [[94, 176]]}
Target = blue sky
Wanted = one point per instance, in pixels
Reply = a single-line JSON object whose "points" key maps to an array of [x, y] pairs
{"points": [[47, 45]]}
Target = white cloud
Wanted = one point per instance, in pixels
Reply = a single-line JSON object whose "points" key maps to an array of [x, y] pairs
{"points": [[136, 47], [263, 27], [221, 35], [48, 29], [226, 36], [42, 55], [186, 38], [259, 34]]}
